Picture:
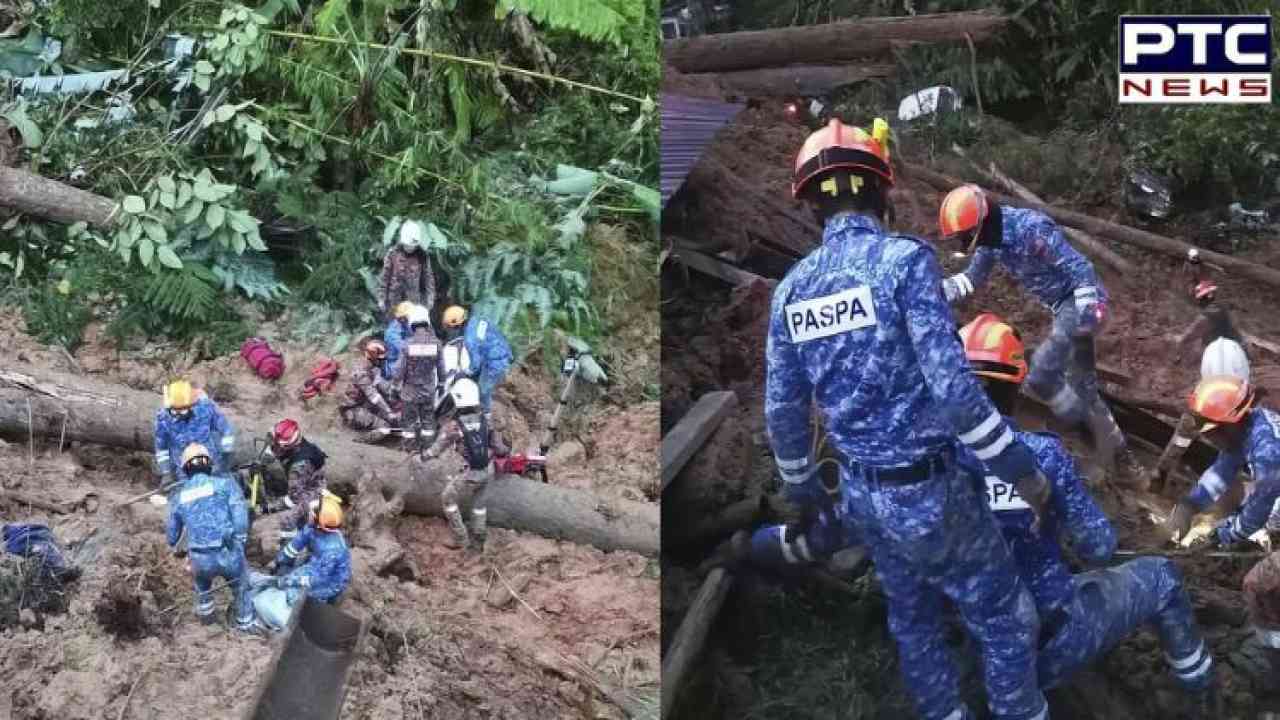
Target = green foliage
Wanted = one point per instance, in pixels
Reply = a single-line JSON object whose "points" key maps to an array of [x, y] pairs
{"points": [[188, 294], [593, 19], [51, 318]]}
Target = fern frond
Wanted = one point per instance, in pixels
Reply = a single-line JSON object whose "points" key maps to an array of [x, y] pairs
{"points": [[188, 294], [590, 18]]}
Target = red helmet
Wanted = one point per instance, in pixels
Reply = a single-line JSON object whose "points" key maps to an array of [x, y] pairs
{"points": [[287, 434], [840, 146]]}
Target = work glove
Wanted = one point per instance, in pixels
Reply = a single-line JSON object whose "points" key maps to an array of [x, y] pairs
{"points": [[1226, 536], [1089, 309], [957, 287], [1179, 521], [1035, 490]]}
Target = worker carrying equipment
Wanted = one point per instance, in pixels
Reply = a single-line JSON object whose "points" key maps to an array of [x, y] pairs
{"points": [[465, 429], [303, 465], [490, 358], [859, 328], [189, 416], [212, 509], [1032, 248], [327, 571]]}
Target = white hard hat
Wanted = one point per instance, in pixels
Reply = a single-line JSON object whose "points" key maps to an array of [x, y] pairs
{"points": [[419, 315], [411, 234], [1224, 356]]}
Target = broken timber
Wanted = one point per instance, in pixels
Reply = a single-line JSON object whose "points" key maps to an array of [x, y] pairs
{"points": [[713, 266], [118, 416], [802, 80], [692, 634], [1121, 233], [687, 437], [52, 200], [826, 44]]}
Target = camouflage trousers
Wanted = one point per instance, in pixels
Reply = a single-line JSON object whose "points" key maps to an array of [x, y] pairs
{"points": [[1113, 603], [361, 418], [935, 540], [467, 487], [1064, 371], [1185, 433]]}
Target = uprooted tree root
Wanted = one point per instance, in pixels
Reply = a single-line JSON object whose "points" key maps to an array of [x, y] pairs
{"points": [[119, 612], [30, 584]]}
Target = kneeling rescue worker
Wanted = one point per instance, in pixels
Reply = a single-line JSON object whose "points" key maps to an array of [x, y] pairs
{"points": [[860, 327], [215, 515], [366, 405], [1031, 247], [303, 465], [327, 571], [1244, 435]]}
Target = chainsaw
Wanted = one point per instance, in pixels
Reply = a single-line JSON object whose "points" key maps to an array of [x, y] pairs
{"points": [[263, 495], [521, 464]]}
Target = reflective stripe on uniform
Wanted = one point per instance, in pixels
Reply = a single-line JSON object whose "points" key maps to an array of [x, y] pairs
{"points": [[957, 714], [1213, 483], [1197, 672], [290, 552], [1189, 662], [792, 465], [228, 441], [984, 428], [964, 283], [162, 457], [479, 511], [451, 508], [1044, 713], [1181, 441], [1087, 292], [996, 447], [787, 555]]}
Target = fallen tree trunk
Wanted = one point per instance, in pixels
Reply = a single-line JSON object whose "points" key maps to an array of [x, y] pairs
{"points": [[1121, 233], [52, 200], [106, 414], [803, 80], [687, 645], [834, 42]]}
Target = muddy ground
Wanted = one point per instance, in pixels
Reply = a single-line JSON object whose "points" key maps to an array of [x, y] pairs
{"points": [[452, 642], [800, 651]]}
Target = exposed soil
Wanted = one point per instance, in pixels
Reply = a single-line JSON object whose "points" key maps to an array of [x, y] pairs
{"points": [[713, 338], [436, 647]]}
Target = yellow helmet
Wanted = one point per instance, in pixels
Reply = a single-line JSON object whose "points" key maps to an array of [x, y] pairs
{"points": [[454, 316], [193, 454], [403, 309], [179, 395], [327, 511]]}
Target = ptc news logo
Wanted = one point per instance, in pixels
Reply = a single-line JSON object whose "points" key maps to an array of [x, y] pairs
{"points": [[1195, 59]]}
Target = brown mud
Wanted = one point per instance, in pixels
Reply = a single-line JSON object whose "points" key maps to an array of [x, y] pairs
{"points": [[443, 643], [714, 338]]}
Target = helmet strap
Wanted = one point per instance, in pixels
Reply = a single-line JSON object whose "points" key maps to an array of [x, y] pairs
{"points": [[991, 232]]}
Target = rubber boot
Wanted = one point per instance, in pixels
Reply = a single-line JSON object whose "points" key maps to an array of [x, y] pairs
{"points": [[459, 538], [1110, 448], [479, 528], [1206, 703]]}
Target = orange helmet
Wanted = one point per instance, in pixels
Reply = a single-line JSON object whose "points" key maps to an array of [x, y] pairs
{"points": [[840, 146], [327, 511], [1221, 400], [963, 211], [994, 349]]}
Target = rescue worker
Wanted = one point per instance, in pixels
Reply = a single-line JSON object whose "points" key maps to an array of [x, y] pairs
{"points": [[1032, 248], [1245, 434], [365, 406], [394, 336], [860, 327], [490, 360], [1223, 356], [303, 465], [189, 416], [327, 571], [212, 509], [416, 375], [466, 432], [406, 272], [1082, 616]]}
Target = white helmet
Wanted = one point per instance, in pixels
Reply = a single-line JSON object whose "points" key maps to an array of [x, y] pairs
{"points": [[419, 315], [466, 394], [410, 234], [1224, 356]]}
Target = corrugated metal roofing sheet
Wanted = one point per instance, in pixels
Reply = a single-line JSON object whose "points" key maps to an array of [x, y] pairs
{"points": [[688, 126]]}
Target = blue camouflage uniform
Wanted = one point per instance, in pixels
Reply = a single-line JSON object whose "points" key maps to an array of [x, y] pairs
{"points": [[215, 515], [1034, 251], [205, 425], [327, 571], [1083, 616], [394, 338], [861, 327], [490, 356], [1261, 451]]}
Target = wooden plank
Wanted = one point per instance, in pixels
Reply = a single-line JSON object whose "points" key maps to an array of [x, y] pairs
{"points": [[715, 267], [684, 440], [1256, 341], [692, 634]]}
